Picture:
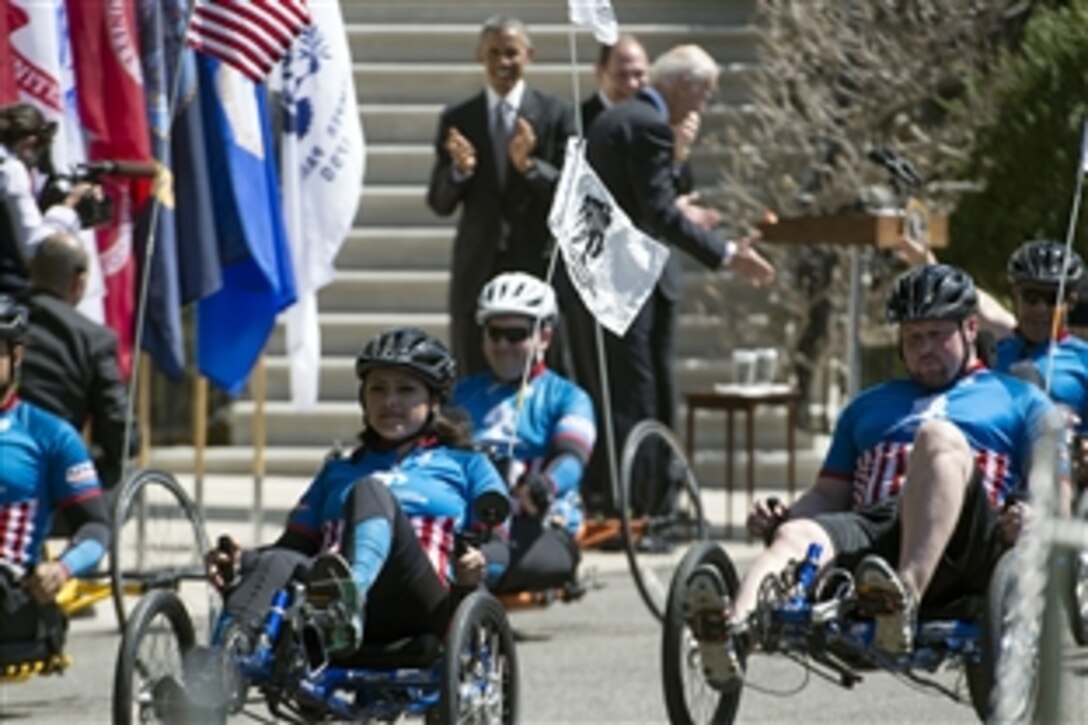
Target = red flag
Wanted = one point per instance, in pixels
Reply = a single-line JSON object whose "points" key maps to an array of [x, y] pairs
{"points": [[250, 36], [109, 87], [8, 92]]}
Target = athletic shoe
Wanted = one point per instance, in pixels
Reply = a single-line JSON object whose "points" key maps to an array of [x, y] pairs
{"points": [[705, 603], [881, 592], [335, 607]]}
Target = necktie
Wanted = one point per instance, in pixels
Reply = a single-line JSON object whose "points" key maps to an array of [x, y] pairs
{"points": [[500, 138]]}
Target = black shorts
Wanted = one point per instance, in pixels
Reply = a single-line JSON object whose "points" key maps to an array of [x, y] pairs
{"points": [[967, 562]]}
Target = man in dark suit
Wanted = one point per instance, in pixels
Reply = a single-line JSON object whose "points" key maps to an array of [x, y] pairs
{"points": [[621, 70], [70, 365], [633, 148], [499, 154]]}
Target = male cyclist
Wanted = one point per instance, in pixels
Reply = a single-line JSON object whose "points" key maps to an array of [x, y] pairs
{"points": [[911, 492], [44, 469], [546, 429]]}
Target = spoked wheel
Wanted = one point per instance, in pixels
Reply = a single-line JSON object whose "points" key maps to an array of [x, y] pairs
{"points": [[480, 667], [158, 542], [689, 699], [661, 512], [149, 683], [1076, 603], [1002, 640]]}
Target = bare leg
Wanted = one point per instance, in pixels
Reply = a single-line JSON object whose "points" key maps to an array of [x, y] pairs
{"points": [[791, 541], [937, 476]]}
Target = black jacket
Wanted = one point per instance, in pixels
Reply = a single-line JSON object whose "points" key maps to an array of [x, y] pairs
{"points": [[70, 369]]}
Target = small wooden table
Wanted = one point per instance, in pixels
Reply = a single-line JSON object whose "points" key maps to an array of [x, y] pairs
{"points": [[733, 398]]}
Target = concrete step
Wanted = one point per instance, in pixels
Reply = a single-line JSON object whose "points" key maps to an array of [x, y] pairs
{"points": [[344, 333], [403, 205], [397, 248], [533, 12], [456, 43], [338, 383], [425, 290], [450, 82]]}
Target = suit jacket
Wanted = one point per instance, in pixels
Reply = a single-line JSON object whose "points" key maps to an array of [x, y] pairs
{"points": [[70, 369], [481, 248], [630, 146], [591, 108]]}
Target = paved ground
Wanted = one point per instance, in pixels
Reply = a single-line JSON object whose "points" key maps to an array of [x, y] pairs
{"points": [[597, 660]]}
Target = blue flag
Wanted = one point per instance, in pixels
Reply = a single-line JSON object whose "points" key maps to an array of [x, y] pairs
{"points": [[161, 336], [233, 323]]}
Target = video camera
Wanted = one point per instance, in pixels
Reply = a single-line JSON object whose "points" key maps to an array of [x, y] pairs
{"points": [[93, 211]]}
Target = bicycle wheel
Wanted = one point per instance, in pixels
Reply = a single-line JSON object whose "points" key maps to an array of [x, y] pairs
{"points": [[660, 509], [158, 542], [480, 666], [1000, 640], [148, 680], [688, 698], [1076, 603]]}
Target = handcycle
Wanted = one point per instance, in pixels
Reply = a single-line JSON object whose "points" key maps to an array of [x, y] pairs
{"points": [[157, 541], [655, 517], [820, 623], [163, 675]]}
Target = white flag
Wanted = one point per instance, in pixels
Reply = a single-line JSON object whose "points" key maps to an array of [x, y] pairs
{"points": [[1084, 149], [613, 265], [45, 74], [323, 163], [596, 16]]}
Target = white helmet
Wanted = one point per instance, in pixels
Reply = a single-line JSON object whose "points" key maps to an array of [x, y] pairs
{"points": [[516, 293]]}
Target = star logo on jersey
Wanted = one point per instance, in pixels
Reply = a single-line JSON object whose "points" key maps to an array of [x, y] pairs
{"points": [[933, 407], [5, 425]]}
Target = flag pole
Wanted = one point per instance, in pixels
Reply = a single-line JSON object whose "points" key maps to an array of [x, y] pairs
{"points": [[200, 437], [598, 333], [259, 394], [160, 185], [144, 459], [1071, 231]]}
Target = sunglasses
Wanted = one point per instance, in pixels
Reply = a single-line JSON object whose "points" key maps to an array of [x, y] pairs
{"points": [[1035, 296], [513, 335]]}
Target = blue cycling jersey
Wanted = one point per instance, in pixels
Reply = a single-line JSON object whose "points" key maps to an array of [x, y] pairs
{"points": [[44, 467], [555, 432], [1069, 381], [433, 484], [999, 415]]}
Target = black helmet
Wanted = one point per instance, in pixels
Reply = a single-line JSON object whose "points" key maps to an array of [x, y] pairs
{"points": [[1044, 262], [414, 350], [932, 292], [13, 319]]}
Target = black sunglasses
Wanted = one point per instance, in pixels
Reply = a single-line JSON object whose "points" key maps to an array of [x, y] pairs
{"points": [[513, 335], [1035, 296]]}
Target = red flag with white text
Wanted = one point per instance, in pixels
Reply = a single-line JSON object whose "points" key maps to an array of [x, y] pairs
{"points": [[109, 87]]}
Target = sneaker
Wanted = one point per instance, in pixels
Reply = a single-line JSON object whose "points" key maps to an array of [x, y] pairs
{"points": [[882, 593], [705, 604]]}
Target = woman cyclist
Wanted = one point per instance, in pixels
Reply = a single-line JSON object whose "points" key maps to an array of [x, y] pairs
{"points": [[392, 507]]}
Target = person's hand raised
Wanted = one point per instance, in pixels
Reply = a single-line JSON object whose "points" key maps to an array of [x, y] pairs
{"points": [[521, 146], [750, 264], [461, 151], [684, 135]]}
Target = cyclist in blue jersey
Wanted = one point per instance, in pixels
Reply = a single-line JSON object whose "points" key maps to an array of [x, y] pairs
{"points": [[918, 474], [545, 431], [392, 508], [1035, 271], [44, 469]]}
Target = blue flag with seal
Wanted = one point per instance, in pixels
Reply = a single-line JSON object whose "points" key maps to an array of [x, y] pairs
{"points": [[233, 323]]}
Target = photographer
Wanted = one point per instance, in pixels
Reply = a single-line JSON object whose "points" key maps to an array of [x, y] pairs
{"points": [[25, 143]]}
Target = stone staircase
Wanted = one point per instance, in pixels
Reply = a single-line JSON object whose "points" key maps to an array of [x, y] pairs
{"points": [[411, 58]]}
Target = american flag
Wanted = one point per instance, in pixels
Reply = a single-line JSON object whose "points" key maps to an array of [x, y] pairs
{"points": [[250, 35]]}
